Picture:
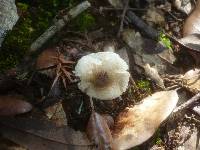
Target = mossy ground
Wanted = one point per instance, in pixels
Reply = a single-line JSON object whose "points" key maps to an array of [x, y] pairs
{"points": [[35, 18]]}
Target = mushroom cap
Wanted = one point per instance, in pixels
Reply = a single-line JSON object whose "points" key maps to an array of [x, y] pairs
{"points": [[103, 75]]}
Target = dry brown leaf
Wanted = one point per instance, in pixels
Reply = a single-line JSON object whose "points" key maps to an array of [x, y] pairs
{"points": [[137, 124], [35, 133], [99, 132], [162, 61], [13, 104]]}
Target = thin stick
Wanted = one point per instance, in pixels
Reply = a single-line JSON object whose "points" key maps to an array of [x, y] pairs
{"points": [[120, 9], [188, 103], [91, 103], [122, 19], [51, 31]]}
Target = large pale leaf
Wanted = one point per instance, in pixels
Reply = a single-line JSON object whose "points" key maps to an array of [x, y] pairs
{"points": [[138, 123], [36, 133]]}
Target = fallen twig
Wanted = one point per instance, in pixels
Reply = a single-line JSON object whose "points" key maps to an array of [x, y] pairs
{"points": [[120, 9], [141, 25], [122, 18], [188, 103], [51, 31]]}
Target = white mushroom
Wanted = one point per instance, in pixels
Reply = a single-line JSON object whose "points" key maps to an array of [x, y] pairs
{"points": [[103, 75]]}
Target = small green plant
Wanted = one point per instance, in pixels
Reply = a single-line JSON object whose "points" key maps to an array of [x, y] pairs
{"points": [[144, 85], [158, 141], [165, 40]]}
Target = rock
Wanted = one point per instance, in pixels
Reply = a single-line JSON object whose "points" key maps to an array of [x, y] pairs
{"points": [[8, 17]]}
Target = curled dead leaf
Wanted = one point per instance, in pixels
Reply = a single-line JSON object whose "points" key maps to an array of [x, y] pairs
{"points": [[13, 104], [99, 132], [137, 124]]}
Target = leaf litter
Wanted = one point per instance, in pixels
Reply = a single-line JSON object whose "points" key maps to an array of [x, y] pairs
{"points": [[121, 123]]}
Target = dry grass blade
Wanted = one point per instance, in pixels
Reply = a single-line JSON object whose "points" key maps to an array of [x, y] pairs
{"points": [[55, 80], [67, 74]]}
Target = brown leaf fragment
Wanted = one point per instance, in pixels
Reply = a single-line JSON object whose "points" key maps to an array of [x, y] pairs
{"points": [[99, 132], [13, 104], [35, 133]]}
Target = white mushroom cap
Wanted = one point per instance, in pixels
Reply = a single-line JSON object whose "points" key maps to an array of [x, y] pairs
{"points": [[103, 75]]}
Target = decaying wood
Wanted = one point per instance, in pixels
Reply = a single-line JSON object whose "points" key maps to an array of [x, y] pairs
{"points": [[51, 31], [122, 18]]}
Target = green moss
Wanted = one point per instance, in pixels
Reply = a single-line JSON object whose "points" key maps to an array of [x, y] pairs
{"points": [[32, 23], [159, 141], [22, 6], [84, 21]]}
